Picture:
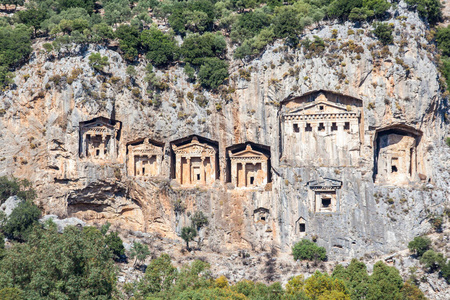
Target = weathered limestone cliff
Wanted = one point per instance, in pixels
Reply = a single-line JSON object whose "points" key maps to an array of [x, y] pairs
{"points": [[345, 144]]}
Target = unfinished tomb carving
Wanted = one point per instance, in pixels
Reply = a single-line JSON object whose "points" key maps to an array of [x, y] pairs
{"points": [[323, 194], [196, 163], [248, 167], [396, 155], [261, 214], [321, 128], [145, 158], [300, 226], [99, 138]]}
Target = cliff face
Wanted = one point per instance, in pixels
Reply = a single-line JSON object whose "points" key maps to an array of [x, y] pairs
{"points": [[381, 188]]}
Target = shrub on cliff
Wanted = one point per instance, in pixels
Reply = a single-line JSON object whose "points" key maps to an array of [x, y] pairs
{"points": [[188, 234], [383, 32], [22, 219], [160, 48], [213, 72], [307, 250], [419, 245]]}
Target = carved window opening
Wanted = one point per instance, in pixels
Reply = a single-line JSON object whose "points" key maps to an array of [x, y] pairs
{"points": [[326, 203], [347, 126], [302, 227], [334, 126], [308, 127], [321, 127], [320, 107], [296, 128]]}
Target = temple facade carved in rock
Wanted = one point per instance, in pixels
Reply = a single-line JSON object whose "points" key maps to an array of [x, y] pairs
{"points": [[321, 128], [249, 168], [99, 138], [195, 163], [396, 159], [145, 159]]}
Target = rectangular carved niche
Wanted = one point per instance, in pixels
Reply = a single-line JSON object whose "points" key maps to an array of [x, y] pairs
{"points": [[99, 139], [145, 159], [321, 129], [323, 194]]}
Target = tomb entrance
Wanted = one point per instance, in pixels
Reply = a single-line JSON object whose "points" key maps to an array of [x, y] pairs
{"points": [[321, 128], [145, 158], [196, 162], [323, 194], [99, 138], [396, 160], [248, 165]]}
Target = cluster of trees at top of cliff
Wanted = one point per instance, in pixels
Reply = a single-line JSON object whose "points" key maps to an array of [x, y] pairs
{"points": [[249, 24]]}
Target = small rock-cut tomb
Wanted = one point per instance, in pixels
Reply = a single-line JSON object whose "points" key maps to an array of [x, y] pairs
{"points": [[323, 194], [249, 168], [145, 159], [195, 163], [321, 128], [99, 138], [396, 159]]}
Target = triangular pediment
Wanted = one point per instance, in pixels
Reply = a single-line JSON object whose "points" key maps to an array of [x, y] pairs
{"points": [[248, 152], [147, 147], [321, 106], [325, 183], [194, 147]]}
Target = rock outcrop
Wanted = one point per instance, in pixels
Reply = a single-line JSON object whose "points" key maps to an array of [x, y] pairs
{"points": [[327, 185]]}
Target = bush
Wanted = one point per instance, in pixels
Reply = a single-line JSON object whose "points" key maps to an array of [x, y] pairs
{"points": [[432, 260], [188, 234], [97, 61], [443, 40], [213, 72], [307, 250], [419, 245], [139, 251], [383, 32], [13, 186], [429, 9], [197, 48], [128, 41], [115, 244], [21, 220]]}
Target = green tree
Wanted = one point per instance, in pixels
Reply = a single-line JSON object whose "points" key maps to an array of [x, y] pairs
{"points": [[443, 40], [115, 244], [379, 7], [383, 32], [199, 220], [429, 9], [128, 41], [140, 252], [160, 48], [287, 23], [189, 71], [197, 48], [188, 234], [117, 11], [21, 220], [97, 61], [323, 286], [445, 271], [213, 72], [411, 292], [385, 283], [360, 14], [159, 277], [432, 260], [72, 265], [355, 277], [308, 250], [419, 245], [11, 294], [88, 5]]}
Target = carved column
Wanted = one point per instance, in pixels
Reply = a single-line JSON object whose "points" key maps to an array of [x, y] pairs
{"points": [[234, 172], [178, 168], [188, 160], [213, 167], [264, 168], [202, 171], [244, 170], [158, 162]]}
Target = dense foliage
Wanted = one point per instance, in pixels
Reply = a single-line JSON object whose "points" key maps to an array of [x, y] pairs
{"points": [[250, 24], [72, 265], [308, 250]]}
